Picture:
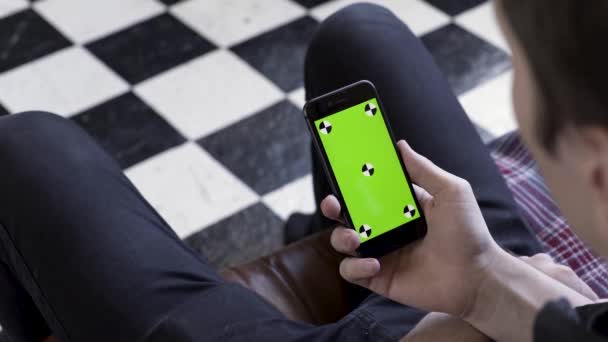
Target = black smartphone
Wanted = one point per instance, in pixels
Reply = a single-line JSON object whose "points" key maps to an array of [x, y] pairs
{"points": [[354, 140]]}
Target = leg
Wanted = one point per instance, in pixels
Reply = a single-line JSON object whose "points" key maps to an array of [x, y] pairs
{"points": [[79, 241], [368, 42], [99, 264], [18, 313]]}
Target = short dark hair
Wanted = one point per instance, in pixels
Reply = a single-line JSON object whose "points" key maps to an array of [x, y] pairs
{"points": [[565, 44]]}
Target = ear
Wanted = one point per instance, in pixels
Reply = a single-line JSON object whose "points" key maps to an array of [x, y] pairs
{"points": [[593, 156]]}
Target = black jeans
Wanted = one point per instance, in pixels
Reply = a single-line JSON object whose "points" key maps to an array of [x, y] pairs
{"points": [[83, 255]]}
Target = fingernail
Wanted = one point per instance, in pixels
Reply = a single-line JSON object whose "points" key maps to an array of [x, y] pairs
{"points": [[372, 265], [354, 241]]}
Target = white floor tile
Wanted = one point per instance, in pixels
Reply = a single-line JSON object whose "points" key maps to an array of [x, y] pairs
{"points": [[189, 188], [420, 16], [490, 105], [298, 97], [226, 22], [208, 93], [83, 21], [8, 7], [482, 21], [65, 82], [297, 196]]}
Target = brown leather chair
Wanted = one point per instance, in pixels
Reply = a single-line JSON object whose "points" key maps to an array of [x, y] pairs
{"points": [[301, 280]]}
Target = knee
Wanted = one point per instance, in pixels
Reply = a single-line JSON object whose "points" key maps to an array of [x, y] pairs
{"points": [[353, 24], [33, 128], [336, 51], [29, 135], [353, 19], [34, 124]]}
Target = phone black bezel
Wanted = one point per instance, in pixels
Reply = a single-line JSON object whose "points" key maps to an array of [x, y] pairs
{"points": [[334, 102]]}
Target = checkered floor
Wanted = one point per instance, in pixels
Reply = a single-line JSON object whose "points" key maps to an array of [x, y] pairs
{"points": [[183, 94]]}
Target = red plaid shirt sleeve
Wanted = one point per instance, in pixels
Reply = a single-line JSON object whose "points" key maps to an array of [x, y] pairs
{"points": [[542, 214]]}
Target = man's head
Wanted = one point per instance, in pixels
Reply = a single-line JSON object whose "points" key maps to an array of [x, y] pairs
{"points": [[561, 102]]}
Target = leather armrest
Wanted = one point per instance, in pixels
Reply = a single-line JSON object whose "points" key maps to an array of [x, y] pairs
{"points": [[301, 280]]}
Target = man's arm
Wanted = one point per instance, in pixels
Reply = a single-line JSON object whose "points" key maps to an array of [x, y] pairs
{"points": [[443, 327], [457, 268], [511, 295]]}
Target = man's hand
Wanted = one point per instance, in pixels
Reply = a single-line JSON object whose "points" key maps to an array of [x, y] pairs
{"points": [[457, 268], [564, 274], [439, 272]]}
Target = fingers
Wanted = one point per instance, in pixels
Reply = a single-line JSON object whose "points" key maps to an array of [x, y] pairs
{"points": [[564, 274], [587, 291], [424, 198], [345, 240], [354, 270], [330, 207], [423, 171], [541, 258], [359, 271]]}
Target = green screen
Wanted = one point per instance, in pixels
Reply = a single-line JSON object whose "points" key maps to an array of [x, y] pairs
{"points": [[367, 169]]}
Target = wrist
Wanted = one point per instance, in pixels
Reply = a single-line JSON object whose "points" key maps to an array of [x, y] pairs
{"points": [[481, 298], [501, 300], [489, 290]]}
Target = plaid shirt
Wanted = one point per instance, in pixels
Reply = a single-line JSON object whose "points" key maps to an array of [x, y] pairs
{"points": [[542, 214]]}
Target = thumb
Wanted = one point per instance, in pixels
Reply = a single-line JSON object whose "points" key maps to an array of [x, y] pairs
{"points": [[423, 172]]}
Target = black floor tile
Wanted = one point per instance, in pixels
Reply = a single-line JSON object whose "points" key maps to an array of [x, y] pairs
{"points": [[279, 54], [26, 36], [266, 150], [311, 3], [170, 2], [150, 47], [465, 59], [455, 7], [245, 236], [128, 129], [3, 111]]}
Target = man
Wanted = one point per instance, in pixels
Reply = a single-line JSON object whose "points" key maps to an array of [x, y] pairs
{"points": [[84, 257], [562, 112]]}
